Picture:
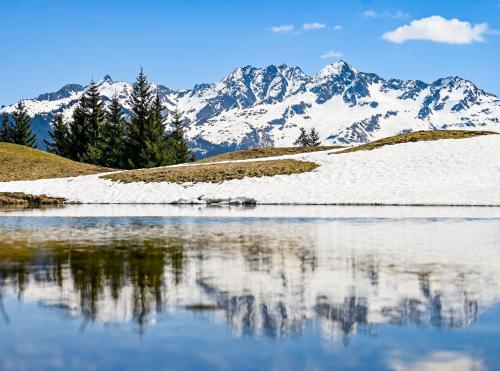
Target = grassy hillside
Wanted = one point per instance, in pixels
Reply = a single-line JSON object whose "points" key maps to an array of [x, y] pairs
{"points": [[24, 163], [246, 154], [214, 173], [417, 136]]}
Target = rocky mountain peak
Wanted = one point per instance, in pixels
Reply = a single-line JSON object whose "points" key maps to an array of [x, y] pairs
{"points": [[254, 106]]}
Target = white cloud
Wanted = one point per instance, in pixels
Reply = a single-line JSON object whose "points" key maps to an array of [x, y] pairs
{"points": [[439, 361], [313, 26], [388, 13], [331, 54], [370, 14], [438, 29], [337, 27], [286, 28]]}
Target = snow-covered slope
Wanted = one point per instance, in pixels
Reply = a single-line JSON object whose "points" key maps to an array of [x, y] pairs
{"points": [[254, 107], [443, 172]]}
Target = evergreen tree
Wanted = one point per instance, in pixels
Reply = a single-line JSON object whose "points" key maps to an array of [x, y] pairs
{"points": [[59, 135], [6, 130], [95, 120], [157, 151], [303, 139], [140, 100], [114, 136], [78, 137], [145, 141], [86, 137], [22, 133], [182, 152], [314, 138], [308, 140]]}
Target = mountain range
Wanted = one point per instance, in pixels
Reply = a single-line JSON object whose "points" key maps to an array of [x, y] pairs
{"points": [[254, 107]]}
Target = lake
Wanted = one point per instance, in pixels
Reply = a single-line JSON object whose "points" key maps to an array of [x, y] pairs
{"points": [[282, 288]]}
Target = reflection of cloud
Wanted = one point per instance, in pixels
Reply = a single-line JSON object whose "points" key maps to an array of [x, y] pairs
{"points": [[440, 361]]}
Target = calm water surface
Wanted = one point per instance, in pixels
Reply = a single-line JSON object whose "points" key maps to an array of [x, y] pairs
{"points": [[203, 293]]}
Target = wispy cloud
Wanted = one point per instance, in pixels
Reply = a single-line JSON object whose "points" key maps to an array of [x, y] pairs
{"points": [[313, 26], [331, 54], [387, 13], [286, 29], [438, 29], [369, 14], [290, 28]]}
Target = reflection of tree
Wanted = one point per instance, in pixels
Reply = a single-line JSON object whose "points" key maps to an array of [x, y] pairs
{"points": [[146, 269], [88, 278], [248, 314], [3, 312], [352, 312], [138, 273], [95, 269]]}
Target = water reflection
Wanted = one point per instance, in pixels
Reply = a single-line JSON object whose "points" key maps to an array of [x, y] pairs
{"points": [[260, 277]]}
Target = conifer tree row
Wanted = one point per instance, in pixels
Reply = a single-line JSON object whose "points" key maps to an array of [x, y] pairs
{"points": [[101, 136]]}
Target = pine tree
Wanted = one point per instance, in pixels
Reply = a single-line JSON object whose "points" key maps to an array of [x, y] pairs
{"points": [[182, 152], [6, 130], [146, 143], [140, 100], [86, 137], [22, 133], [114, 136], [95, 120], [157, 151], [313, 138], [59, 135], [78, 137], [303, 139]]}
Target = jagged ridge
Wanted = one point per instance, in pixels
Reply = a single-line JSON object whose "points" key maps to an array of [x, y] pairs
{"points": [[254, 107]]}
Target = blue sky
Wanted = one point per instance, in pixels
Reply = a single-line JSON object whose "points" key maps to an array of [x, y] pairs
{"points": [[48, 43]]}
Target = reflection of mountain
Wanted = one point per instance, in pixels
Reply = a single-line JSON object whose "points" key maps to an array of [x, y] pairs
{"points": [[263, 278]]}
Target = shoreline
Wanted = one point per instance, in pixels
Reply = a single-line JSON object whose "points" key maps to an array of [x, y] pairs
{"points": [[258, 211]]}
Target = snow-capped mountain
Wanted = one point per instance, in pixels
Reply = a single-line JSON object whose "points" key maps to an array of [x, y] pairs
{"points": [[254, 107]]}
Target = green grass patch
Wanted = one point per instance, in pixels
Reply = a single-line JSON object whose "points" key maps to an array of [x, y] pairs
{"points": [[24, 163], [247, 154], [417, 136], [213, 173]]}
